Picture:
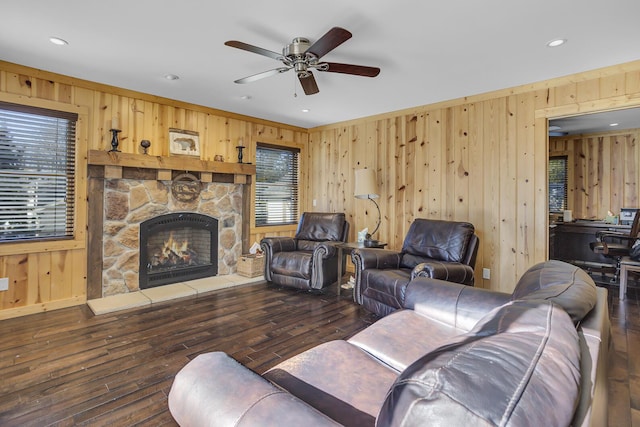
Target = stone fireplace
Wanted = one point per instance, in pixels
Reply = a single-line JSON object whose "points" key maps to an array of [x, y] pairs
{"points": [[129, 192], [176, 247], [128, 203]]}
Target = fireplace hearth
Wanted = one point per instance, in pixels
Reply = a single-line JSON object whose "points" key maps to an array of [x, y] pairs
{"points": [[176, 247]]}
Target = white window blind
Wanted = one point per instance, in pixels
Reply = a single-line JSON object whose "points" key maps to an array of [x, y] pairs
{"points": [[37, 173], [557, 183], [276, 185]]}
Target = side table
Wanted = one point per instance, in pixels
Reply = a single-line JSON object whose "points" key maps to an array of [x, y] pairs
{"points": [[346, 249], [626, 265]]}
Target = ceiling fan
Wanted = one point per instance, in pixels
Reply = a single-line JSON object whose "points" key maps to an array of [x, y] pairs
{"points": [[302, 56]]}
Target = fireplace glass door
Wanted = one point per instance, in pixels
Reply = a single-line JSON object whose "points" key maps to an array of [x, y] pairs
{"points": [[177, 247]]}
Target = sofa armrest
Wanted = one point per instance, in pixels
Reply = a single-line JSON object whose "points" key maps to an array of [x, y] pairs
{"points": [[595, 342], [450, 271], [453, 304], [365, 258], [278, 244], [214, 389], [326, 249]]}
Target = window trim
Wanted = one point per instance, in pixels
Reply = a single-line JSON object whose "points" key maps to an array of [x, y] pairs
{"points": [[79, 240]]}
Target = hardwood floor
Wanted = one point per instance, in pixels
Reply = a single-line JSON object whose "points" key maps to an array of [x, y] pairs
{"points": [[624, 364], [69, 367]]}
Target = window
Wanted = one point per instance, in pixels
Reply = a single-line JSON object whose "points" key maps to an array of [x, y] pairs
{"points": [[557, 183], [276, 185], [37, 173]]}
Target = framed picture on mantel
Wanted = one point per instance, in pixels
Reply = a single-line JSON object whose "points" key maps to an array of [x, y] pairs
{"points": [[184, 142]]}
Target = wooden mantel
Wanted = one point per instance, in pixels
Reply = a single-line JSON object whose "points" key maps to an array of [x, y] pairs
{"points": [[114, 161]]}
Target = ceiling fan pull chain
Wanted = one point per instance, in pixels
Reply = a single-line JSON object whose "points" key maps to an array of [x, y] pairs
{"points": [[295, 89]]}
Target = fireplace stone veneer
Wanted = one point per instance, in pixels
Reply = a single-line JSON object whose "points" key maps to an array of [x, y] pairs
{"points": [[130, 202]]}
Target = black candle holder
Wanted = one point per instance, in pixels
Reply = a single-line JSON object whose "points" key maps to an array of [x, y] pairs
{"points": [[240, 148], [114, 139]]}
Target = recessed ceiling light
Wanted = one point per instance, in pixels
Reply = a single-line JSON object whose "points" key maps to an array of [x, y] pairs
{"points": [[554, 127], [305, 110], [613, 124], [171, 77], [556, 42], [58, 41], [245, 97]]}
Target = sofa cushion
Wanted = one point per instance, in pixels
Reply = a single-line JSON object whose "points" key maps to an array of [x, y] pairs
{"points": [[386, 286], [402, 337], [338, 379], [437, 239], [519, 366], [294, 264], [566, 285]]}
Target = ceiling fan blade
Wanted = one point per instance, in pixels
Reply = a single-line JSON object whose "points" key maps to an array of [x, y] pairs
{"points": [[262, 75], [358, 70], [309, 84], [332, 39], [254, 49]]}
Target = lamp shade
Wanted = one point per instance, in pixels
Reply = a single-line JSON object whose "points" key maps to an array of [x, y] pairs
{"points": [[366, 187]]}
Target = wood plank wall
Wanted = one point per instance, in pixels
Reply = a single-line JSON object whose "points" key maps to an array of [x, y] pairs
{"points": [[603, 171], [480, 159], [49, 276]]}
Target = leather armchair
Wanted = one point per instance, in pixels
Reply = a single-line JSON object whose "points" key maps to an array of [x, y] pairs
{"points": [[437, 249], [310, 259]]}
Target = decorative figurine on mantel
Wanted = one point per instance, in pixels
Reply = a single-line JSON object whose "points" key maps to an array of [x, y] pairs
{"points": [[114, 138], [145, 144]]}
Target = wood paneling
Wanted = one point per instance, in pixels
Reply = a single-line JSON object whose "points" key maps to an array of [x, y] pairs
{"points": [[48, 275], [480, 159], [603, 171]]}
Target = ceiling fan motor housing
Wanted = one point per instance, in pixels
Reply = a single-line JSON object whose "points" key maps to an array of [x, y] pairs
{"points": [[296, 53], [297, 47]]}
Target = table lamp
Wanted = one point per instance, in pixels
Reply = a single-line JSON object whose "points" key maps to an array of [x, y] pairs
{"points": [[366, 188]]}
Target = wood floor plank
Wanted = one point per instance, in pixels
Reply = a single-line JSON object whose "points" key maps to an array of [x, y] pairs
{"points": [[71, 368]]}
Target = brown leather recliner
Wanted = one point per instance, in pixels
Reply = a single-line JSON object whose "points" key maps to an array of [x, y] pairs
{"points": [[310, 259], [437, 249]]}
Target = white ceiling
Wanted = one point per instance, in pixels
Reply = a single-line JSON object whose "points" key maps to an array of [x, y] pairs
{"points": [[596, 122], [428, 51]]}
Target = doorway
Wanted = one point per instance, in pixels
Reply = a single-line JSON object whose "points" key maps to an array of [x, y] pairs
{"points": [[603, 180]]}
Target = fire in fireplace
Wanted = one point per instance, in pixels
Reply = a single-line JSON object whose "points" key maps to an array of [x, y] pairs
{"points": [[174, 253], [177, 247]]}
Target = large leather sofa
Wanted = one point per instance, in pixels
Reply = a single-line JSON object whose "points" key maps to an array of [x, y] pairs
{"points": [[438, 249], [455, 356]]}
